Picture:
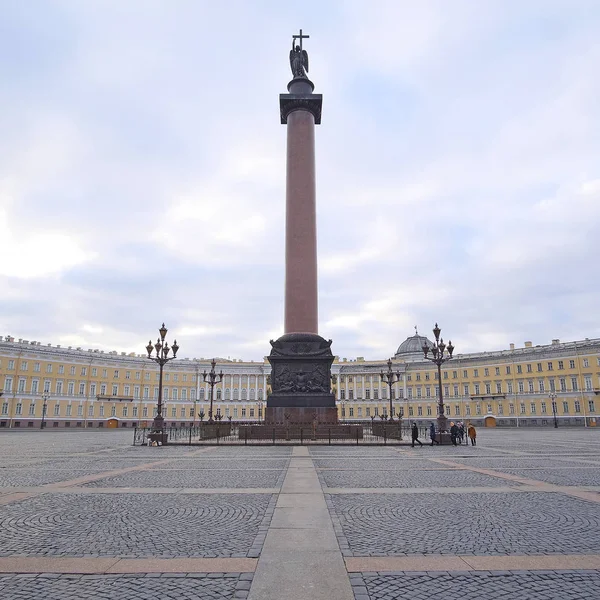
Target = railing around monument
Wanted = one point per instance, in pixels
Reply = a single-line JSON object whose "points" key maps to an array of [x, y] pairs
{"points": [[246, 433]]}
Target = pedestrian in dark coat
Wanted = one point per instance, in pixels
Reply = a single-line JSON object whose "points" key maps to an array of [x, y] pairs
{"points": [[415, 435], [432, 434], [453, 433]]}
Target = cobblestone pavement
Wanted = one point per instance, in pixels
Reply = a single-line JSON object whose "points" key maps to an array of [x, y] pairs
{"points": [[407, 479], [560, 475], [180, 586], [482, 524], [186, 478], [136, 525], [539, 585], [106, 521], [398, 463]]}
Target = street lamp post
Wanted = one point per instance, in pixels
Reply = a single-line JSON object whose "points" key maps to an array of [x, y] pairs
{"points": [[212, 378], [260, 407], [553, 400], [162, 358], [438, 358], [44, 407], [390, 378]]}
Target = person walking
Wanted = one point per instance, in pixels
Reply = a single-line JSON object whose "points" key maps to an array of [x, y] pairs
{"points": [[461, 432], [472, 433], [432, 434], [415, 435], [453, 433]]}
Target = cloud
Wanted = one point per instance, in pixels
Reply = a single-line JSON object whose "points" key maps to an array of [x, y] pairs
{"points": [[142, 172]]}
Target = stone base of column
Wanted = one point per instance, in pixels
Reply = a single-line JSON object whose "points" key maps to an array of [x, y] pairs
{"points": [[301, 380]]}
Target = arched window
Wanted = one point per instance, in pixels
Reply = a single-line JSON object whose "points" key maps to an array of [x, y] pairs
{"points": [[260, 393], [227, 393], [219, 394], [201, 393], [244, 394], [252, 393], [236, 394]]}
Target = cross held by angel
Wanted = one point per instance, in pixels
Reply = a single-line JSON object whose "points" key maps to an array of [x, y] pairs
{"points": [[298, 57]]}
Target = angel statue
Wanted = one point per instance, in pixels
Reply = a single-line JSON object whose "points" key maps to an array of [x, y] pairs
{"points": [[298, 61]]}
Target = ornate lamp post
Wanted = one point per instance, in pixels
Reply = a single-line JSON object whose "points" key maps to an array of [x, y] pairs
{"points": [[438, 358], [260, 407], [44, 408], [212, 378], [390, 378], [162, 358], [553, 399]]}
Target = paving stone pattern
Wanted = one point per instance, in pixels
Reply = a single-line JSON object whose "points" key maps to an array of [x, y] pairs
{"points": [[180, 586], [28, 477], [185, 478], [537, 585], [571, 476], [395, 463], [408, 479], [520, 463], [481, 524], [136, 525]]}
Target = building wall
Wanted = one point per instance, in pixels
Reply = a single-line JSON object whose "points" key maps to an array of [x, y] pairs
{"points": [[82, 388]]}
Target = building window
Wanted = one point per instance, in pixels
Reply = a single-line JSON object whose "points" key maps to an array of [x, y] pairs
{"points": [[145, 411], [91, 410], [498, 388], [574, 383], [419, 392], [550, 367], [115, 389], [71, 388], [468, 411], [419, 411], [173, 413], [475, 372], [531, 388], [376, 394], [428, 392], [457, 410], [426, 376], [418, 376], [529, 368], [508, 369], [522, 408], [511, 408], [533, 408], [48, 368], [82, 389], [477, 389], [488, 388], [19, 408], [509, 387], [486, 372], [57, 410], [543, 408], [577, 406], [519, 369], [102, 410], [80, 410], [565, 407], [588, 383], [350, 394], [489, 408], [541, 385], [36, 367], [561, 365], [68, 410], [368, 394], [500, 408], [465, 373], [591, 406], [454, 374], [563, 384], [32, 409], [466, 389], [521, 387], [478, 408], [571, 364]]}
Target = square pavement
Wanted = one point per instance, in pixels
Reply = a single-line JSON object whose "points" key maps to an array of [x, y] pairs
{"points": [[85, 514]]}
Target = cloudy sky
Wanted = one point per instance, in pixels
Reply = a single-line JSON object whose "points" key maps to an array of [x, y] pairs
{"points": [[142, 171]]}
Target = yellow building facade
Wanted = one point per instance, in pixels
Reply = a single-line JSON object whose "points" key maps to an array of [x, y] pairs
{"points": [[78, 388]]}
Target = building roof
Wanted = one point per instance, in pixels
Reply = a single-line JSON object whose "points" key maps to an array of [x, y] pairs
{"points": [[412, 345]]}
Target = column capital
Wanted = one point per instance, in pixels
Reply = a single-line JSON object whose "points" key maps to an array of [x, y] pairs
{"points": [[310, 102]]}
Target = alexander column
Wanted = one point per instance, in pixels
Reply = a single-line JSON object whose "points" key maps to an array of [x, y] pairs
{"points": [[301, 359]]}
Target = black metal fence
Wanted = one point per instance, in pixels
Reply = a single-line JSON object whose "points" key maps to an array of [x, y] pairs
{"points": [[246, 433]]}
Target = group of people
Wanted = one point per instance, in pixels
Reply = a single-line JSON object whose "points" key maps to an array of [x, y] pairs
{"points": [[457, 434]]}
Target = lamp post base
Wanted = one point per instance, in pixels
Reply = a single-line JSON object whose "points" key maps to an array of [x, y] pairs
{"points": [[442, 423]]}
